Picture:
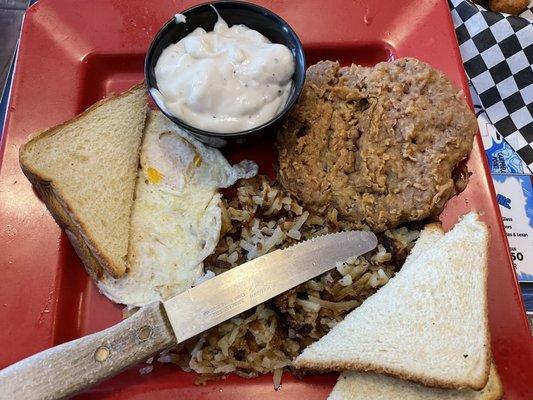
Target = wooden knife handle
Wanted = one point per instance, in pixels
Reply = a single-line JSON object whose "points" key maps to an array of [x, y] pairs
{"points": [[74, 366]]}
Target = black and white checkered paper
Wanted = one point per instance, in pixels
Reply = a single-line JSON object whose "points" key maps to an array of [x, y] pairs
{"points": [[497, 52]]}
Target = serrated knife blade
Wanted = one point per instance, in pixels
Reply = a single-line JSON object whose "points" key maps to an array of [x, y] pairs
{"points": [[258, 280], [71, 367]]}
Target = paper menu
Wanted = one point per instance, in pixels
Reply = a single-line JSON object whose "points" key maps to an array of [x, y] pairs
{"points": [[513, 182]]}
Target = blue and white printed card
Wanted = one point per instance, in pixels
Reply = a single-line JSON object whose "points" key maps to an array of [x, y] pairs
{"points": [[513, 181]]}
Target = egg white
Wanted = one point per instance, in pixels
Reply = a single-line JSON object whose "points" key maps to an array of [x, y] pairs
{"points": [[176, 216]]}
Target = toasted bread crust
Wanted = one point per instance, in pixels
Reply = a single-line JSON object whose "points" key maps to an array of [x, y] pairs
{"points": [[65, 218], [355, 385], [486, 311], [494, 388], [395, 373], [468, 382], [86, 247]]}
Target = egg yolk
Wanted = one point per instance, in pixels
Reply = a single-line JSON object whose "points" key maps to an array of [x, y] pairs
{"points": [[154, 176], [197, 160]]}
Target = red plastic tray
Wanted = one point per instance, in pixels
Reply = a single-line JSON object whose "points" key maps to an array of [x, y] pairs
{"points": [[75, 53]]}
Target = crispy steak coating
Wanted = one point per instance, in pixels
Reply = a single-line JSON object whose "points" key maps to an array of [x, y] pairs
{"points": [[378, 144], [514, 7]]}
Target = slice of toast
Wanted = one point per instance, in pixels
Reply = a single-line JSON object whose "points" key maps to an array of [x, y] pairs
{"points": [[85, 170], [176, 217], [428, 325], [371, 386]]}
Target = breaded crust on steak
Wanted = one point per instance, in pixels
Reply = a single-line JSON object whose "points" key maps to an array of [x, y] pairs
{"points": [[378, 144]]}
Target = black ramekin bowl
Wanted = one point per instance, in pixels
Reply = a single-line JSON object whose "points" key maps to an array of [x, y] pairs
{"points": [[233, 12]]}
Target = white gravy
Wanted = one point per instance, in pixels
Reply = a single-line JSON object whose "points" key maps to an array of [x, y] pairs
{"points": [[226, 80]]}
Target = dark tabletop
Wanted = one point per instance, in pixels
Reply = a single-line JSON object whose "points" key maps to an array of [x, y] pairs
{"points": [[11, 14]]}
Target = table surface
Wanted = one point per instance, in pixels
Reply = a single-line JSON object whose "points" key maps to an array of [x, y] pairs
{"points": [[11, 15]]}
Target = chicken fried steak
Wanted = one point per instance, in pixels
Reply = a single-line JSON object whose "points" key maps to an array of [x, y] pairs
{"points": [[378, 144]]}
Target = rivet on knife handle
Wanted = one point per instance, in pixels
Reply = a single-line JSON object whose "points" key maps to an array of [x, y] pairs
{"points": [[74, 366]]}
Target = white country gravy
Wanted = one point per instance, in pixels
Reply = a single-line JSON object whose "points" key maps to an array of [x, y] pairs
{"points": [[227, 80]]}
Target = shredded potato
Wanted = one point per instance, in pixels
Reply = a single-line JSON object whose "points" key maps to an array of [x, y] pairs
{"points": [[260, 218]]}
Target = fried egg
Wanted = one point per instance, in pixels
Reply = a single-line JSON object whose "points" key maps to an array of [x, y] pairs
{"points": [[176, 216]]}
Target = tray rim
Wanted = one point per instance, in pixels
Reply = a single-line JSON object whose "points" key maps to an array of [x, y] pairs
{"points": [[487, 177]]}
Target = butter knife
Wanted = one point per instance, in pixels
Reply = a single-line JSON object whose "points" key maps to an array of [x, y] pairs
{"points": [[77, 365]]}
